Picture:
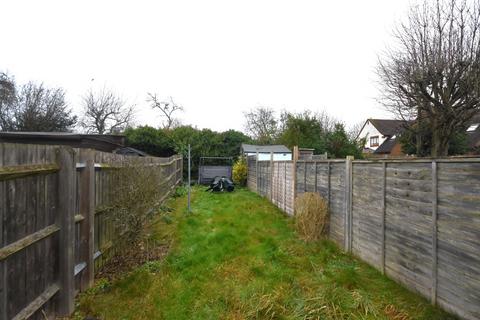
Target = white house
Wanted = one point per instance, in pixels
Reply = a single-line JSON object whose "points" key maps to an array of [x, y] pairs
{"points": [[380, 135], [280, 152]]}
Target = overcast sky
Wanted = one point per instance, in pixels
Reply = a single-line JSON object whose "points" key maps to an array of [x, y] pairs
{"points": [[216, 58]]}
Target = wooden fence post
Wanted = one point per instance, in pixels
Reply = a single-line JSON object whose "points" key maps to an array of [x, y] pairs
{"points": [[305, 176], [3, 242], [434, 230], [328, 184], [271, 176], [66, 222], [180, 162], [256, 173], [294, 174], [87, 210], [384, 211], [285, 187], [348, 204]]}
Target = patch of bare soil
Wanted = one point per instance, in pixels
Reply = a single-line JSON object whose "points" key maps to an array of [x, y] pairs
{"points": [[130, 259]]}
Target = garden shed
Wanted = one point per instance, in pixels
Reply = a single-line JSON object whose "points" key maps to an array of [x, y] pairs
{"points": [[211, 167]]}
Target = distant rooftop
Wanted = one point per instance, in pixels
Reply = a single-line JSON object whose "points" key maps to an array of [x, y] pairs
{"points": [[279, 148], [388, 127]]}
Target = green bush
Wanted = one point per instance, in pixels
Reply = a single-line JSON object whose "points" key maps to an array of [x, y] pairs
{"points": [[240, 171], [155, 142]]}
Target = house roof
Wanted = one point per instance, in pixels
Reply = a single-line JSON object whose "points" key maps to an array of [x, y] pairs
{"points": [[250, 148], [388, 127], [102, 142], [386, 146]]}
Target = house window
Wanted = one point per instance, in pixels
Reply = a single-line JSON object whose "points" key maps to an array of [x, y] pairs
{"points": [[473, 127], [374, 141]]}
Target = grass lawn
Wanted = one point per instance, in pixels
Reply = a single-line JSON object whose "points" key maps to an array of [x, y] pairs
{"points": [[238, 257]]}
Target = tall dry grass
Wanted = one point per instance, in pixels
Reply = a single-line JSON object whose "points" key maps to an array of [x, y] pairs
{"points": [[311, 216]]}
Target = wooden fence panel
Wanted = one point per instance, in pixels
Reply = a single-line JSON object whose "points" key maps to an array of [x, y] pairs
{"points": [[278, 185], [27, 207], [337, 202], [46, 233], [264, 178], [310, 176], [289, 188], [282, 189], [252, 173], [408, 223], [322, 179], [459, 238], [418, 221], [367, 212]]}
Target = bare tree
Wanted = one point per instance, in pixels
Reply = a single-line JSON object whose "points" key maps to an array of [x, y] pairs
{"points": [[432, 74], [8, 98], [105, 112], [354, 130], [168, 110], [33, 107], [261, 124]]}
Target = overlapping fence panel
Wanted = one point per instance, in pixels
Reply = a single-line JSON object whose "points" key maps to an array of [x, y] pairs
{"points": [[264, 178], [282, 186], [418, 220], [458, 238], [252, 173]]}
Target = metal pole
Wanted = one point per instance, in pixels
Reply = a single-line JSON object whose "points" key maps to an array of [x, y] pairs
{"points": [[189, 176]]}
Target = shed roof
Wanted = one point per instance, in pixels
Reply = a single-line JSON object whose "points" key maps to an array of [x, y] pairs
{"points": [[102, 142], [278, 148], [129, 151]]}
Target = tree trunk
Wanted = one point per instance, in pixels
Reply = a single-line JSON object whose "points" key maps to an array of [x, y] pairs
{"points": [[419, 142], [439, 144], [419, 135]]}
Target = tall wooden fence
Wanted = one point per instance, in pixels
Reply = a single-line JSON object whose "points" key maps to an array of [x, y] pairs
{"points": [[54, 232], [417, 221]]}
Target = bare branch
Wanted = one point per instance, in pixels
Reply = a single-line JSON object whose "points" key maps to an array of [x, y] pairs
{"points": [[261, 124], [168, 110], [432, 73], [105, 112]]}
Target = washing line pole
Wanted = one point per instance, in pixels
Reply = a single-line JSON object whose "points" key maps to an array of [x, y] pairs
{"points": [[189, 176]]}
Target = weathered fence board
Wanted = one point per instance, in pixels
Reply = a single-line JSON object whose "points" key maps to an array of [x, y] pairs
{"points": [[48, 197], [367, 212], [418, 221], [458, 237]]}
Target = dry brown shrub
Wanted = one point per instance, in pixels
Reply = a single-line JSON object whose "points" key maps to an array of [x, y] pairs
{"points": [[311, 216], [136, 195]]}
